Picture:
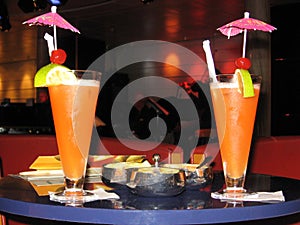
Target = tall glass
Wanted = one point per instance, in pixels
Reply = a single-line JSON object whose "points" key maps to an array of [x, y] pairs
{"points": [[235, 116], [73, 108]]}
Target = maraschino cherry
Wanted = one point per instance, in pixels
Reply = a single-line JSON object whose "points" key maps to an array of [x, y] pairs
{"points": [[243, 63], [58, 56]]}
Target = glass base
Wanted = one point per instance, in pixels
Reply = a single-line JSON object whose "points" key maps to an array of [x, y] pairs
{"points": [[234, 192], [234, 184], [73, 199], [232, 195]]}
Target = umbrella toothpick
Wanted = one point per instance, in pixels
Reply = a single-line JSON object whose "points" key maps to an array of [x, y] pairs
{"points": [[54, 10], [243, 25], [55, 37], [244, 43], [54, 20]]}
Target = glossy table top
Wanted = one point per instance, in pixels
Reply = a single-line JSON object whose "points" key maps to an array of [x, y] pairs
{"points": [[191, 207]]}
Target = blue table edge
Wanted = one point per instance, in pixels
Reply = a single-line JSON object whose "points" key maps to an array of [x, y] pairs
{"points": [[150, 217]]}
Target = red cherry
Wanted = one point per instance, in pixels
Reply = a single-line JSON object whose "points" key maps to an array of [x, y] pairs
{"points": [[243, 63], [58, 56]]}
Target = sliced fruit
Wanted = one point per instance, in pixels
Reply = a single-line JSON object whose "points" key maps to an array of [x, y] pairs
{"points": [[60, 76], [53, 74], [244, 82]]}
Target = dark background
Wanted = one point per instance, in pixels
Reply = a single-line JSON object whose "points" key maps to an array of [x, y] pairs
{"points": [[285, 70]]}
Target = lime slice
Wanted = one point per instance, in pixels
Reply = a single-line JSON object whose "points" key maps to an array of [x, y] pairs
{"points": [[245, 82], [53, 74]]}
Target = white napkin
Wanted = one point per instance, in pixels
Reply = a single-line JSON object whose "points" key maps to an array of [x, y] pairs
{"points": [[98, 194], [102, 194], [268, 197]]}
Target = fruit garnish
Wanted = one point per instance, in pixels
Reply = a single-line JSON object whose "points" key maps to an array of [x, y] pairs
{"points": [[243, 63], [58, 56], [53, 74], [244, 82]]}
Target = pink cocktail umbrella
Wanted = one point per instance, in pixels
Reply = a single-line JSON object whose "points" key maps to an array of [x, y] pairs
{"points": [[52, 19], [242, 25]]}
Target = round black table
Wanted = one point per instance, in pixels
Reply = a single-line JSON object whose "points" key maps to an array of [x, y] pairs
{"points": [[17, 197]]}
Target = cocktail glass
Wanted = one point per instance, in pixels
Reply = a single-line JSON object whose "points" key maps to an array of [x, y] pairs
{"points": [[73, 108], [235, 117]]}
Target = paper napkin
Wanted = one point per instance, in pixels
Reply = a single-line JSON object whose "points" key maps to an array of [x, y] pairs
{"points": [[269, 197], [102, 194]]}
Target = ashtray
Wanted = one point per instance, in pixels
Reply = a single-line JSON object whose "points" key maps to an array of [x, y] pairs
{"points": [[195, 177]]}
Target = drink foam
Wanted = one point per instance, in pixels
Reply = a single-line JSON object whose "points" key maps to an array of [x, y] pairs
{"points": [[229, 85], [83, 82]]}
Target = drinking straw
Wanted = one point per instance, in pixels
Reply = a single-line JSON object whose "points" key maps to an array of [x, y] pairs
{"points": [[49, 40], [209, 60]]}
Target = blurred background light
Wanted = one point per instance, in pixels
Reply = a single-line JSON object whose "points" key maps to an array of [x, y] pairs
{"points": [[28, 6], [57, 2], [4, 19]]}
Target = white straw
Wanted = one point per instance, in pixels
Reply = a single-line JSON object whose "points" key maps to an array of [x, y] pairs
{"points": [[49, 40], [210, 61]]}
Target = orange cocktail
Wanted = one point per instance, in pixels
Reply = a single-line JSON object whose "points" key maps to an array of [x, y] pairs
{"points": [[73, 108], [235, 116]]}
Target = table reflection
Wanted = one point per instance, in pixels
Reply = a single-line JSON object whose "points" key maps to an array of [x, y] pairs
{"points": [[186, 200], [19, 189]]}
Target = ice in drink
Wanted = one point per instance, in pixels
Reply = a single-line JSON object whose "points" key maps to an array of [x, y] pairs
{"points": [[235, 116], [73, 108]]}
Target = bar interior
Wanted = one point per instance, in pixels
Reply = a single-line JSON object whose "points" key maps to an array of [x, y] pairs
{"points": [[155, 98]]}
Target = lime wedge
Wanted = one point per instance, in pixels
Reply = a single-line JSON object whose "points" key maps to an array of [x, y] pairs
{"points": [[245, 82], [53, 74]]}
